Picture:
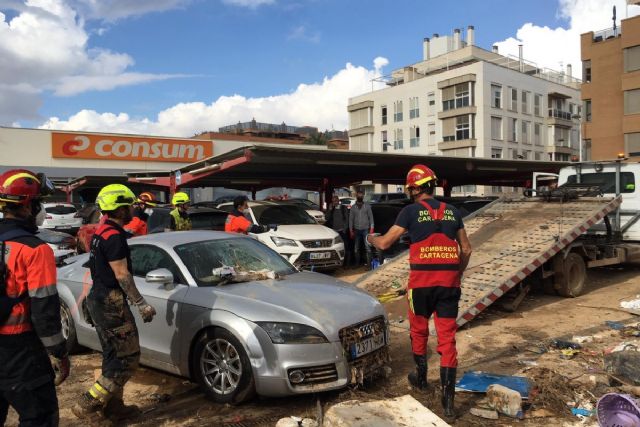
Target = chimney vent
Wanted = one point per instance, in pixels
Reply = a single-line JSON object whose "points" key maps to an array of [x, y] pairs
{"points": [[520, 58], [456, 39], [494, 48], [426, 49], [470, 35]]}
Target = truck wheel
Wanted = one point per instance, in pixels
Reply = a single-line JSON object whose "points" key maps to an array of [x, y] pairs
{"points": [[222, 368], [570, 274]]}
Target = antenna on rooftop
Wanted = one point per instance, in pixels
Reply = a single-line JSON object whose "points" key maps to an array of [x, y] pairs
{"points": [[614, 21]]}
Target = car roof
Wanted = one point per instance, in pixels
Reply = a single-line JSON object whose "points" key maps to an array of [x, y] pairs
{"points": [[174, 238], [254, 203], [192, 209], [58, 204]]}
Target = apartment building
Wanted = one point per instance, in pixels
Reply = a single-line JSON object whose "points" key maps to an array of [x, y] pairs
{"points": [[464, 101], [611, 91]]}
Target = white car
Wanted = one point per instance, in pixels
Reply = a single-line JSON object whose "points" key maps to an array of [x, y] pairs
{"points": [[299, 238], [61, 216], [63, 244], [347, 201]]}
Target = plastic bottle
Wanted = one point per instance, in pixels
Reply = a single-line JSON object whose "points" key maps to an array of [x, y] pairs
{"points": [[505, 400]]}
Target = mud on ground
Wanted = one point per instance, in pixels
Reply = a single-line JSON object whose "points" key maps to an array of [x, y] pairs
{"points": [[497, 342]]}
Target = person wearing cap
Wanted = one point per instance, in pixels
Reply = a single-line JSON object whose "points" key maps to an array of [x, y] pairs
{"points": [[438, 254], [180, 220], [141, 211], [33, 351], [113, 285]]}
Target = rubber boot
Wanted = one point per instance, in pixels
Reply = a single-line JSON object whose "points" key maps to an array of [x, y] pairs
{"points": [[418, 379], [448, 382], [116, 410], [87, 406]]}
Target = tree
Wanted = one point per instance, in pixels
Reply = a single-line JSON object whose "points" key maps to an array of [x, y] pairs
{"points": [[317, 139]]}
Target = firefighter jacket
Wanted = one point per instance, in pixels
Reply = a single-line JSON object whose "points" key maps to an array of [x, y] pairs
{"points": [[31, 270], [180, 221]]}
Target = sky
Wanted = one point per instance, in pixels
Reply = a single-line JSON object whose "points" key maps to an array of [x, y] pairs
{"points": [[181, 67]]}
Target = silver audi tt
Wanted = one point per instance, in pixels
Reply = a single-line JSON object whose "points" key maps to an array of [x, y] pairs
{"points": [[237, 318]]}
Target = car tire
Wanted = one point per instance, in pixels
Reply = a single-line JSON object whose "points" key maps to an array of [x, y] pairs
{"points": [[221, 367], [69, 328]]}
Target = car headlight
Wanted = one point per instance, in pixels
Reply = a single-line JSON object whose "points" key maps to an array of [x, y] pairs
{"points": [[281, 241], [337, 240], [292, 333]]}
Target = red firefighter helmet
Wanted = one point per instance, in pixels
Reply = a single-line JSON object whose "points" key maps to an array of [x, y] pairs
{"points": [[419, 175], [147, 199], [21, 186]]}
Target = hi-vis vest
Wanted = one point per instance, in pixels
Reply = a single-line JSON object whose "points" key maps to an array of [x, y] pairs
{"points": [[434, 261], [182, 224], [237, 224]]}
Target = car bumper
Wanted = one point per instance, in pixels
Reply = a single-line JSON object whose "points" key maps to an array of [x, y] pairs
{"points": [[306, 259], [324, 367]]}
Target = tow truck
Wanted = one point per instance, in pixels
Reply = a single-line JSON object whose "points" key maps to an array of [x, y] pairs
{"points": [[544, 237]]}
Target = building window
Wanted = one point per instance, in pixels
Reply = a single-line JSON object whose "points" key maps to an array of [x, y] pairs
{"points": [[586, 150], [496, 127], [525, 132], [526, 155], [414, 109], [586, 71], [587, 110], [537, 155], [431, 104], [384, 114], [463, 130], [537, 134], [562, 157], [632, 101], [415, 137], [496, 153], [525, 101], [632, 144], [537, 105], [496, 96], [385, 140], [631, 59], [496, 190], [513, 130], [397, 111], [397, 141], [515, 155], [457, 96], [514, 99]]}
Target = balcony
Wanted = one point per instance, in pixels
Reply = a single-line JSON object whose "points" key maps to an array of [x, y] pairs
{"points": [[464, 111], [559, 118], [461, 143]]}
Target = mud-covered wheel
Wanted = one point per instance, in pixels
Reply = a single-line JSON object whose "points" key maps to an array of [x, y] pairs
{"points": [[68, 328], [570, 275], [222, 368]]}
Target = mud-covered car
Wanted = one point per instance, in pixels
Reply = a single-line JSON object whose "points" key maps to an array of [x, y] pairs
{"points": [[237, 318]]}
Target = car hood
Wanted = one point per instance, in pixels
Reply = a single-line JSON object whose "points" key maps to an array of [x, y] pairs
{"points": [[309, 298], [302, 232]]}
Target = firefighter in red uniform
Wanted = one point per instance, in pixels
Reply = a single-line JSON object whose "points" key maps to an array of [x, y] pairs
{"points": [[30, 324], [439, 253], [237, 223], [138, 224]]}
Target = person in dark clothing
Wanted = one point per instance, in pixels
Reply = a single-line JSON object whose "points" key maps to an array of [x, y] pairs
{"points": [[360, 225], [338, 220], [439, 253], [113, 285], [33, 352]]}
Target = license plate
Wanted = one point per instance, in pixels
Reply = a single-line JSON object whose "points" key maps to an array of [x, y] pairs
{"points": [[367, 345], [320, 255]]}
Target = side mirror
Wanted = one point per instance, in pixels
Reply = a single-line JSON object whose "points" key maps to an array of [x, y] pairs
{"points": [[161, 276]]}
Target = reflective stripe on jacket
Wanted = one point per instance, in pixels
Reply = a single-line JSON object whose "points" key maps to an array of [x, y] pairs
{"points": [[434, 261]]}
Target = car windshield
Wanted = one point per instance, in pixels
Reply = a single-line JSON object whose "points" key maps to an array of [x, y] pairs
{"points": [[60, 210], [281, 215], [211, 262]]}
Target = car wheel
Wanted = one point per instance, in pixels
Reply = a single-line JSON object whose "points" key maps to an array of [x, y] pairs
{"points": [[68, 328], [222, 368]]}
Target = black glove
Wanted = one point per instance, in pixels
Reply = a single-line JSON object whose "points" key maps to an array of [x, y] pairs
{"points": [[273, 227]]}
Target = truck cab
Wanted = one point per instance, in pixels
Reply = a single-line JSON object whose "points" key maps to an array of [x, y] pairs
{"points": [[603, 175]]}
